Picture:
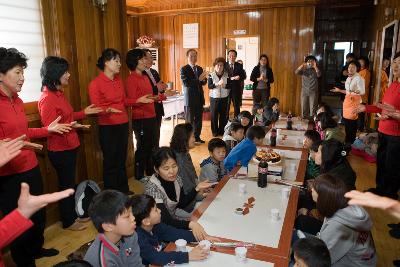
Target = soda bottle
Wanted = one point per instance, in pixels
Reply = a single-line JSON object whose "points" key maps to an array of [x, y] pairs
{"points": [[272, 138], [289, 125], [262, 173]]}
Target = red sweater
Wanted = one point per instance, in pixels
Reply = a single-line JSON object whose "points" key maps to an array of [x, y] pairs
{"points": [[51, 105], [105, 93], [13, 123], [138, 85], [12, 226], [391, 97]]}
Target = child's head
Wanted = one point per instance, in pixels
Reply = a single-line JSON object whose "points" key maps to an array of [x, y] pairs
{"points": [[111, 211], [326, 121], [328, 193], [311, 252], [217, 149], [245, 118], [314, 148], [330, 154], [182, 138], [310, 136], [256, 134], [165, 165], [236, 130], [258, 109], [322, 107], [145, 210], [273, 104]]}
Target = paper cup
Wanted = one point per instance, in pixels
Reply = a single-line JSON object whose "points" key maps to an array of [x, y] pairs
{"points": [[293, 166], [240, 253], [275, 214], [242, 188], [206, 245], [180, 245], [285, 192]]}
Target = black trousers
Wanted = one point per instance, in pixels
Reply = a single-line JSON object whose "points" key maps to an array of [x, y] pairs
{"points": [[29, 244], [235, 96], [64, 162], [361, 121], [146, 144], [387, 165], [350, 129], [219, 118], [114, 143], [158, 130], [261, 96], [194, 115]]}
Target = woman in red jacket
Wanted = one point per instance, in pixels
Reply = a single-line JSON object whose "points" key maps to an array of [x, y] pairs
{"points": [[139, 89], [24, 167], [107, 92], [387, 164], [62, 150]]}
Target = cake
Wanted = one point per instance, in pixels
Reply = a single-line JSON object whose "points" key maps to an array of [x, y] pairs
{"points": [[268, 155]]}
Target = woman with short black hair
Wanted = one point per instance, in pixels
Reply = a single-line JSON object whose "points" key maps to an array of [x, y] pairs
{"points": [[329, 127], [262, 77], [62, 150]]}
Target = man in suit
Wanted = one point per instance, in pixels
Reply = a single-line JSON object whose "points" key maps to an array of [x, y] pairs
{"points": [[236, 77], [193, 79], [158, 87]]}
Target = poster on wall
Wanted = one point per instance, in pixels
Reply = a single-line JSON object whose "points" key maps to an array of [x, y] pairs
{"points": [[191, 35]]}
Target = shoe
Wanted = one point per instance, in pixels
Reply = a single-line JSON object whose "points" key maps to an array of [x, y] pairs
{"points": [[47, 252], [76, 226], [199, 141], [394, 225], [395, 233], [396, 263]]}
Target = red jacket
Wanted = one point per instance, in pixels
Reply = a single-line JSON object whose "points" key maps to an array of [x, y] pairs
{"points": [[105, 93], [138, 85], [13, 123], [51, 105], [12, 226], [391, 97]]}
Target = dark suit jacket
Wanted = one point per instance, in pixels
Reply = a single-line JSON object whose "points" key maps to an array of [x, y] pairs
{"points": [[192, 86], [157, 105], [256, 74], [236, 85]]}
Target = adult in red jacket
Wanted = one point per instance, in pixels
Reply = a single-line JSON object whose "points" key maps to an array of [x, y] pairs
{"points": [[62, 150], [140, 90], [24, 167], [107, 92], [388, 167]]}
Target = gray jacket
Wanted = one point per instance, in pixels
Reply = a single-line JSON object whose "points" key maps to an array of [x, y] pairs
{"points": [[103, 252], [211, 171], [347, 235], [309, 80], [186, 171]]}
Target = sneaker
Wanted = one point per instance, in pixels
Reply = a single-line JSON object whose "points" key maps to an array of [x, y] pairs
{"points": [[396, 263], [47, 252]]}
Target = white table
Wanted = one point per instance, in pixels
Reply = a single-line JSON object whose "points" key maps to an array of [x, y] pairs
{"points": [[297, 124], [294, 139], [173, 106]]}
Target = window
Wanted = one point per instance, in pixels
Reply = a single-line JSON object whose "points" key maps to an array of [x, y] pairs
{"points": [[21, 28]]}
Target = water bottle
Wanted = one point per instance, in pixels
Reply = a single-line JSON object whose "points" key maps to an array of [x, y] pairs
{"points": [[272, 138], [262, 173]]}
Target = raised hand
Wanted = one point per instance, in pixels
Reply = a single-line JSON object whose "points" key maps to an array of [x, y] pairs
{"points": [[10, 149], [77, 125], [161, 86], [92, 109], [29, 204], [113, 110], [59, 128], [146, 99]]}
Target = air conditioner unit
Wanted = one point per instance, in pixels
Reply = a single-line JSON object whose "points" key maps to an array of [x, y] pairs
{"points": [[154, 54]]}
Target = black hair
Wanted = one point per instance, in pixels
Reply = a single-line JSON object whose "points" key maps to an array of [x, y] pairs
{"points": [[396, 55], [133, 56], [366, 61], [73, 263], [261, 56], [313, 135], [315, 145], [180, 137], [333, 154], [355, 63], [327, 108], [107, 206], [215, 143], [141, 207], [271, 102], [107, 55], [326, 121], [350, 55], [10, 58], [245, 114], [161, 155], [190, 50], [310, 57], [256, 107], [255, 132], [146, 50], [235, 126], [233, 50], [51, 71], [312, 251]]}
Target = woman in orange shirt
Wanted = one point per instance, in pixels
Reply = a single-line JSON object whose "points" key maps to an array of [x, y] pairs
{"points": [[366, 75]]}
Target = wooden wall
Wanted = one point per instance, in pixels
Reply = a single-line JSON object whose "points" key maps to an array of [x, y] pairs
{"points": [[286, 36], [78, 31]]}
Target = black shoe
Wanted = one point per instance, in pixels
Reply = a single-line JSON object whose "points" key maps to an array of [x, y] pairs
{"points": [[395, 233], [394, 225], [199, 141], [396, 263], [47, 252]]}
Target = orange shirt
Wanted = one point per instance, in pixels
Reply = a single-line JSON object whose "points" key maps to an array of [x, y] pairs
{"points": [[384, 83], [366, 74]]}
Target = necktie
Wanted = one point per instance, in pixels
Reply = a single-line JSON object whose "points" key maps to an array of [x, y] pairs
{"points": [[231, 69], [195, 71]]}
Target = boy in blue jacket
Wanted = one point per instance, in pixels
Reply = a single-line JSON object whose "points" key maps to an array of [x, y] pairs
{"points": [[244, 151], [152, 231]]}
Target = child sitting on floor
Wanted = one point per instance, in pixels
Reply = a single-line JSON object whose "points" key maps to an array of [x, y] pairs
{"points": [[244, 118], [271, 112], [212, 168], [311, 137], [258, 115], [236, 134], [244, 151], [311, 252]]}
